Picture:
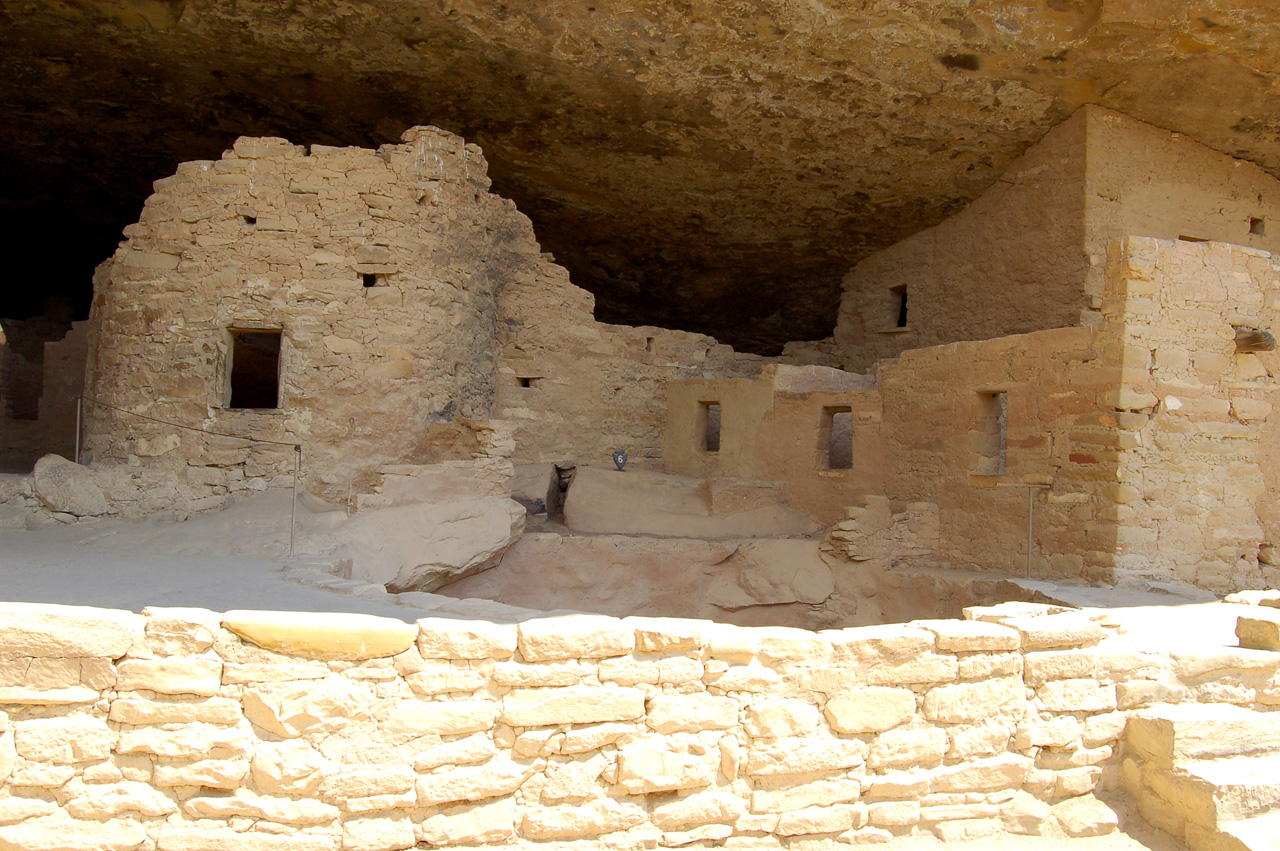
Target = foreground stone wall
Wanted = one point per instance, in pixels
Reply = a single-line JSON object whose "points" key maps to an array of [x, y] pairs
{"points": [[185, 729]]}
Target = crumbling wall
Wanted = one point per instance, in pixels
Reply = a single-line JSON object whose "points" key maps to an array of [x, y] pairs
{"points": [[1030, 253], [404, 294], [183, 728], [578, 389], [40, 417], [1198, 489]]}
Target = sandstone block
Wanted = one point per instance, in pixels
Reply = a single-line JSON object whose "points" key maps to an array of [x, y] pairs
{"points": [[801, 756], [571, 705], [594, 818], [814, 793], [870, 710], [291, 709], [812, 820], [690, 713], [383, 832], [894, 814], [989, 775], [461, 752], [979, 740], [323, 635], [1085, 816], [446, 679], [482, 824], [1024, 815], [972, 702], [956, 636], [644, 769], [18, 696], [214, 773], [69, 488], [54, 834], [656, 635], [966, 830], [491, 780], [63, 741], [111, 800], [908, 746], [1066, 629], [1077, 696], [1259, 631], [43, 630], [898, 784], [171, 675], [186, 742], [367, 781], [255, 806], [138, 711], [1061, 732], [446, 638], [1040, 668], [698, 809], [226, 839], [287, 768], [574, 637], [15, 809], [541, 675], [179, 631], [1138, 693], [573, 780], [773, 719], [416, 718]]}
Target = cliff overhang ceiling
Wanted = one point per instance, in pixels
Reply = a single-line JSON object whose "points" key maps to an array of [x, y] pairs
{"points": [[696, 165]]}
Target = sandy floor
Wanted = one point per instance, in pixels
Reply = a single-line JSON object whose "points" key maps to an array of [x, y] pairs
{"points": [[233, 559]]}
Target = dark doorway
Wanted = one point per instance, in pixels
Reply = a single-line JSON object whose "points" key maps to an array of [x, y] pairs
{"points": [[255, 370]]}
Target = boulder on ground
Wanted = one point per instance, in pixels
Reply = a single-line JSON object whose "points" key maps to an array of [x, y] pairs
{"points": [[67, 487]]}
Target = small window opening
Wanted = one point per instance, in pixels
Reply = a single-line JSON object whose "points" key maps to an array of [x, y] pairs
{"points": [[254, 368], [709, 426], [900, 306], [527, 381], [990, 434], [1183, 237], [648, 344], [369, 279], [1258, 227], [837, 439], [250, 220]]}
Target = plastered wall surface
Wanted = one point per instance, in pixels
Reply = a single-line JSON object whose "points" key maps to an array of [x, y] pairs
{"points": [[187, 729], [777, 429], [404, 293], [1030, 253]]}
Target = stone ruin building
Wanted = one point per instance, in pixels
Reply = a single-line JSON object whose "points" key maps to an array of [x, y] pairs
{"points": [[1068, 384]]}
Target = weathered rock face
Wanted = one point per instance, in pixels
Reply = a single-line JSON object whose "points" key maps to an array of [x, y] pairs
{"points": [[698, 166]]}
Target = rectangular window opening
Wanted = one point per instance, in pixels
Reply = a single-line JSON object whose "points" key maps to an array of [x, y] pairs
{"points": [[250, 220], [837, 439], [709, 426], [990, 434], [528, 381], [254, 370], [369, 279], [900, 306], [1258, 227]]}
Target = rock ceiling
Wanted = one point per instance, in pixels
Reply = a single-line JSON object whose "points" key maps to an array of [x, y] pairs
{"points": [[713, 165]]}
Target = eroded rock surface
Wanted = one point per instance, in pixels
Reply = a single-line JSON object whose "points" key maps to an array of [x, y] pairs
{"points": [[702, 166]]}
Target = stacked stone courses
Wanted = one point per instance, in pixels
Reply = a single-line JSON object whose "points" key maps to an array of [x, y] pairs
{"points": [[405, 293], [184, 729]]}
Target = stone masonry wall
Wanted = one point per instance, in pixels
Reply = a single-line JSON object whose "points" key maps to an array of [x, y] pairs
{"points": [[1011, 262], [1058, 434], [186, 730], [405, 294], [1030, 253], [1198, 493]]}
